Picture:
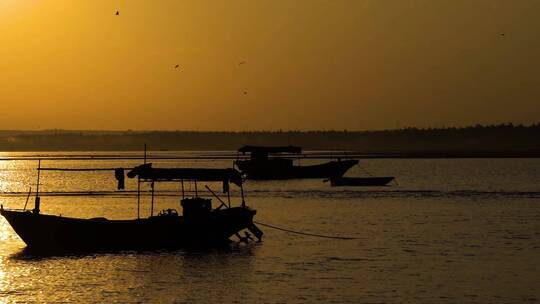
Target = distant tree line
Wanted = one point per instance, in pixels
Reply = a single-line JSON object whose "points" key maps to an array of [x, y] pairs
{"points": [[498, 138]]}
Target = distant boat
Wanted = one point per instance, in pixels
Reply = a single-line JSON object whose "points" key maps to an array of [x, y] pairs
{"points": [[361, 181], [266, 164], [200, 224]]}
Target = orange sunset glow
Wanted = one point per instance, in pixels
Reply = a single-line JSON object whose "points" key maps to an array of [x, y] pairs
{"points": [[270, 151], [251, 65]]}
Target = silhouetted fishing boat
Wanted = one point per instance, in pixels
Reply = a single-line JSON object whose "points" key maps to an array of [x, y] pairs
{"points": [[263, 167], [200, 224], [361, 181]]}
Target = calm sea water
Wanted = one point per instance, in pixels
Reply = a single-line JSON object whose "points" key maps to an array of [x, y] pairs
{"points": [[449, 231]]}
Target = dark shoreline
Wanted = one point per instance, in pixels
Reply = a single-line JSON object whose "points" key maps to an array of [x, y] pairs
{"points": [[505, 140]]}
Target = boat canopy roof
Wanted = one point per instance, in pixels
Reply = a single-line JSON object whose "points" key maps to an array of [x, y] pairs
{"points": [[146, 172], [268, 150]]}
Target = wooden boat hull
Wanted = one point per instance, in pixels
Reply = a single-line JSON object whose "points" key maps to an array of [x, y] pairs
{"points": [[281, 169], [361, 181], [56, 233]]}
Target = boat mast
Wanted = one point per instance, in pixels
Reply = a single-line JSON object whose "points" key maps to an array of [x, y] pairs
{"points": [[37, 201], [182, 184], [38, 173], [152, 201], [139, 189], [229, 197], [138, 197], [145, 154], [242, 193]]}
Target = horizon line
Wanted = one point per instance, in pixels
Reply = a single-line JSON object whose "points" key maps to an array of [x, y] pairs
{"points": [[508, 124]]}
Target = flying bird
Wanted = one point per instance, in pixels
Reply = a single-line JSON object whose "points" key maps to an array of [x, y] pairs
{"points": [[502, 34], [117, 13], [245, 92], [242, 62], [177, 66]]}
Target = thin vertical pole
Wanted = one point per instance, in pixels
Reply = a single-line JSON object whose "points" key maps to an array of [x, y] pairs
{"points": [[138, 197], [229, 197], [28, 197], [196, 193], [145, 154], [242, 193], [182, 183], [37, 200], [38, 174], [152, 201]]}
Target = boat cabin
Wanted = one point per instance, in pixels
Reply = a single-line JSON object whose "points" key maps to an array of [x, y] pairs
{"points": [[260, 153]]}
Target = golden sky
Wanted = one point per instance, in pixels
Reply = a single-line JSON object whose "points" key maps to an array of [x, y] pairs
{"points": [[309, 64]]}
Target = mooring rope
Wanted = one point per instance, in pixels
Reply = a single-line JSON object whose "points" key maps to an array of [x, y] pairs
{"points": [[307, 233]]}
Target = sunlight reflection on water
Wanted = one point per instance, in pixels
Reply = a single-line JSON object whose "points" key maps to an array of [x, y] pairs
{"points": [[441, 235]]}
